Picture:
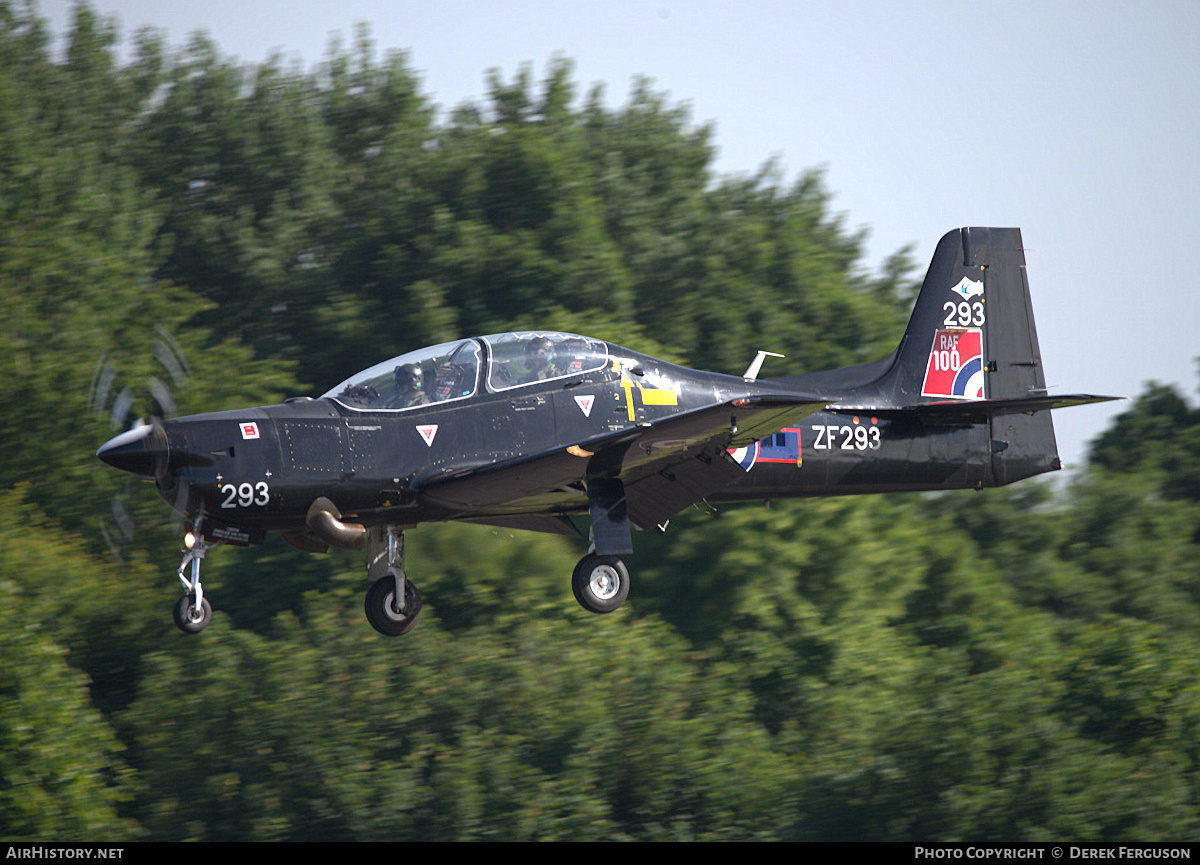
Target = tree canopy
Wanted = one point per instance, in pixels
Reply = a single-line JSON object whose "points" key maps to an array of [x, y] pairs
{"points": [[181, 233]]}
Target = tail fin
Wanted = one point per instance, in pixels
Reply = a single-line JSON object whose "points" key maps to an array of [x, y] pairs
{"points": [[970, 354], [971, 335]]}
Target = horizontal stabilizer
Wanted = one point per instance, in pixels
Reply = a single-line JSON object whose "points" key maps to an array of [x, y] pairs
{"points": [[966, 412]]}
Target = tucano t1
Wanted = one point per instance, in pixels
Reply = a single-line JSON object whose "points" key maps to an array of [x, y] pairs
{"points": [[526, 430]]}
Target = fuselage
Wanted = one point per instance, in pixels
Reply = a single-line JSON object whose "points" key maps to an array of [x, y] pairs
{"points": [[257, 470]]}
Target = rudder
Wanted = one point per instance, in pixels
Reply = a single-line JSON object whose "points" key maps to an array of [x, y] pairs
{"points": [[1022, 443]]}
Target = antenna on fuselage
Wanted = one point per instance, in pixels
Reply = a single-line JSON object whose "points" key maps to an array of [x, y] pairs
{"points": [[751, 372]]}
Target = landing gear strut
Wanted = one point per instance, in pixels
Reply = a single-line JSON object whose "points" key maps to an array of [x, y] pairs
{"points": [[193, 612], [600, 581], [385, 565]]}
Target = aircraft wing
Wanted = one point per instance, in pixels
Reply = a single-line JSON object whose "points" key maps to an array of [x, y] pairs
{"points": [[664, 466]]}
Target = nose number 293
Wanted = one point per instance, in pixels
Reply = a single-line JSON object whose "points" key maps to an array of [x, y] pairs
{"points": [[245, 495]]}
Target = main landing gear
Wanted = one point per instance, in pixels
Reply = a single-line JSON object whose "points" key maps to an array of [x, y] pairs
{"points": [[600, 583], [385, 567], [193, 612], [393, 602]]}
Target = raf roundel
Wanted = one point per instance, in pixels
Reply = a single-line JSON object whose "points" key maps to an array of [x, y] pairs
{"points": [[745, 457]]}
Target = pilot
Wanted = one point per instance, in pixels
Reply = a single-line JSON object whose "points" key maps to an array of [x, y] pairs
{"points": [[409, 381], [574, 351], [539, 359]]}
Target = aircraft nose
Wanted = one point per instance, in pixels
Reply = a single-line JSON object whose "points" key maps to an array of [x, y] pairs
{"points": [[139, 450]]}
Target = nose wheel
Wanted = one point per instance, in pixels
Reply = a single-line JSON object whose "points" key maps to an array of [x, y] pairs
{"points": [[192, 617], [600, 583]]}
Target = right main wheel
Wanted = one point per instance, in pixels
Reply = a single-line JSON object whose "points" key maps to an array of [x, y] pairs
{"points": [[600, 583]]}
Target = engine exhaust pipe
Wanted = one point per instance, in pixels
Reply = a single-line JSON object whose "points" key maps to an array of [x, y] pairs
{"points": [[325, 520]]}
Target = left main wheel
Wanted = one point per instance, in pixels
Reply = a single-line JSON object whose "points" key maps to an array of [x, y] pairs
{"points": [[381, 609], [192, 619]]}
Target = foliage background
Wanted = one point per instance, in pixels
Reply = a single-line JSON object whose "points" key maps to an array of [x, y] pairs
{"points": [[183, 234]]}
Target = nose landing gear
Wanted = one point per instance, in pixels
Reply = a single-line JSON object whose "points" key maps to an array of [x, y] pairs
{"points": [[193, 612]]}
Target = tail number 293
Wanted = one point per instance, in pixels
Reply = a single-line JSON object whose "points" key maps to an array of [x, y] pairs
{"points": [[963, 314]]}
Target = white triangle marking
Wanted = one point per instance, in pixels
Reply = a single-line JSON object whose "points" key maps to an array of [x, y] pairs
{"points": [[585, 404], [427, 431]]}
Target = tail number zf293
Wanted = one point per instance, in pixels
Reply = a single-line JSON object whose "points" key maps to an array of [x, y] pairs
{"points": [[856, 437]]}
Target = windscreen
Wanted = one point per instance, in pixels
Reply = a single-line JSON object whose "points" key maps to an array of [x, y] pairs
{"points": [[440, 373]]}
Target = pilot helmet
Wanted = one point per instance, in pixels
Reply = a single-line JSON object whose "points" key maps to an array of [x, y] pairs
{"points": [[408, 375], [540, 348]]}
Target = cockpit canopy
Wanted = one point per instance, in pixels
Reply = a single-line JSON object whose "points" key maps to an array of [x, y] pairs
{"points": [[451, 371], [517, 359]]}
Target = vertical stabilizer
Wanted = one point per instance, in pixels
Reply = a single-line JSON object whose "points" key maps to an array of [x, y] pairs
{"points": [[972, 338], [971, 335]]}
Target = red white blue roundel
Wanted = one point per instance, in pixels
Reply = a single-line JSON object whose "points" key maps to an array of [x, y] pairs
{"points": [[955, 367], [745, 457]]}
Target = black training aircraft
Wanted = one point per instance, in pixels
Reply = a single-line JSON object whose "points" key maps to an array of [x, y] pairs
{"points": [[524, 430]]}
